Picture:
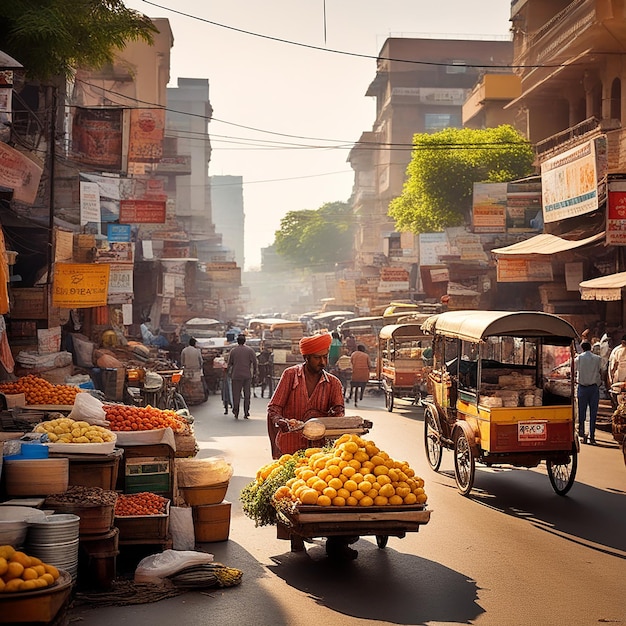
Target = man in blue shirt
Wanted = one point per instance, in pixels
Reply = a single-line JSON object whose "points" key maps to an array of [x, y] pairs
{"points": [[588, 366]]}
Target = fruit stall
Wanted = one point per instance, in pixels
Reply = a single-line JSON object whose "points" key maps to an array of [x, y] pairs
{"points": [[348, 489], [83, 482]]}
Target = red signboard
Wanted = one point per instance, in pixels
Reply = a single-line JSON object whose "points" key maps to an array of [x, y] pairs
{"points": [[142, 212]]}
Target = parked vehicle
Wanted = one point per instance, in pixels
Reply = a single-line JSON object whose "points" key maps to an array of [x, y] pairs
{"points": [[491, 402], [403, 362]]}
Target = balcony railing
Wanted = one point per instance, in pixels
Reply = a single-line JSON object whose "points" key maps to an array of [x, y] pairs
{"points": [[570, 135]]}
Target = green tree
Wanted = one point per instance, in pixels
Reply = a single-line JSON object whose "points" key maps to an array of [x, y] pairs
{"points": [[318, 238], [438, 189], [51, 38]]}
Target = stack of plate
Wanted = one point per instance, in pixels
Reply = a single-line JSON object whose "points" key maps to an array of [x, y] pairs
{"points": [[55, 541]]}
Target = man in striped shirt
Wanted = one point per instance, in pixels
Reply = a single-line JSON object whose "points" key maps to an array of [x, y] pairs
{"points": [[305, 390]]}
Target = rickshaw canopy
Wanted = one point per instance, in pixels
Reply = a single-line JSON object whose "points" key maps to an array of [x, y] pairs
{"points": [[475, 326], [401, 331]]}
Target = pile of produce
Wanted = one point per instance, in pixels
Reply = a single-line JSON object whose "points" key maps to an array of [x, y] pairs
{"points": [[353, 472], [206, 575], [144, 503], [67, 430], [39, 391], [122, 417], [20, 572], [78, 494]]}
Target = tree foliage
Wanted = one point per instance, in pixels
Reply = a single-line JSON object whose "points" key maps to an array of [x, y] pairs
{"points": [[52, 37], [318, 238], [438, 189]]}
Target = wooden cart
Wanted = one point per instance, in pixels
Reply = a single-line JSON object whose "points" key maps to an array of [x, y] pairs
{"points": [[310, 522]]}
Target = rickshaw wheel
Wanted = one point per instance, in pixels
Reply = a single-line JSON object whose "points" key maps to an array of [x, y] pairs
{"points": [[562, 475], [381, 540], [389, 400], [432, 435], [464, 464]]}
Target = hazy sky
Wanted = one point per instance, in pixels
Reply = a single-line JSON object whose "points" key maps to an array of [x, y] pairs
{"points": [[310, 102]]}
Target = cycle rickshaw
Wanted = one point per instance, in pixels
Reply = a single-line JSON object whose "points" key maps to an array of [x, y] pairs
{"points": [[491, 398]]}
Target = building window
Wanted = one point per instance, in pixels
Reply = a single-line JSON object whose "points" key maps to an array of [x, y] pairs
{"points": [[434, 122]]}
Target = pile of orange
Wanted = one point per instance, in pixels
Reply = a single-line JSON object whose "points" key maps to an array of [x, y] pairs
{"points": [[39, 391], [144, 503], [122, 417], [355, 473], [21, 572]]}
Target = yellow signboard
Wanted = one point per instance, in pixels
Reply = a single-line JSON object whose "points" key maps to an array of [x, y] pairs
{"points": [[80, 285]]}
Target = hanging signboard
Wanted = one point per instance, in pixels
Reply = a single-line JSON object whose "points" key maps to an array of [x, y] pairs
{"points": [[97, 137], [19, 173], [569, 185], [118, 232], [523, 270], [120, 284], [616, 214], [146, 135], [89, 203], [489, 207], [142, 211], [80, 285]]}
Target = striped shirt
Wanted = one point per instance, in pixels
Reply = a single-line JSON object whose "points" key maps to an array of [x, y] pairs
{"points": [[291, 399]]}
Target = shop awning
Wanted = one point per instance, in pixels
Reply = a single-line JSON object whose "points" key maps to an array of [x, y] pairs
{"points": [[605, 288], [545, 244]]}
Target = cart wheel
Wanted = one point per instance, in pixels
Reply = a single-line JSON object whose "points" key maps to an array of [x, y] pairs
{"points": [[464, 464], [432, 439], [389, 400], [562, 475], [381, 540]]}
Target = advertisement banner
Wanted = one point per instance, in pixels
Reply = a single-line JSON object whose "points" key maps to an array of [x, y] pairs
{"points": [[523, 270], [142, 211], [89, 203], [63, 245], [616, 214], [489, 207], [97, 137], [118, 232], [80, 285], [569, 184], [146, 135], [120, 280], [431, 246], [19, 173]]}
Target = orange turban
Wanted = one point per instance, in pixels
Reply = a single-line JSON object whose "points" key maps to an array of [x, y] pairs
{"points": [[315, 344]]}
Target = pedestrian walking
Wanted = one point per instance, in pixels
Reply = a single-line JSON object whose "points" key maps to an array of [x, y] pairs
{"points": [[242, 368], [361, 367], [588, 367]]}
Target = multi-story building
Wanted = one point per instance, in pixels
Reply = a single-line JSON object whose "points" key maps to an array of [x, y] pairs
{"points": [[570, 56], [420, 86], [228, 213]]}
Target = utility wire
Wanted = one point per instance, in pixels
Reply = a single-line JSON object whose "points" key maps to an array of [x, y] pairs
{"points": [[346, 53]]}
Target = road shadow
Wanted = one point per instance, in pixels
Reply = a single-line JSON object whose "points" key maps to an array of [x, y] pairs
{"points": [[378, 584], [587, 515]]}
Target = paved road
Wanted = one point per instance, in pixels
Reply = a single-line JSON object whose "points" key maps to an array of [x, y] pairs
{"points": [[512, 554]]}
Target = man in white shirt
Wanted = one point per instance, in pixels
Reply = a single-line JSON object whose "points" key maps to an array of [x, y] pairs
{"points": [[588, 378]]}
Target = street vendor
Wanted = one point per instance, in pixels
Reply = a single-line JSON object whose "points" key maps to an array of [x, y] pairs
{"points": [[305, 390]]}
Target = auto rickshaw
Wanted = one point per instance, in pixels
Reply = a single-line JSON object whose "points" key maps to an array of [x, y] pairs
{"points": [[404, 358], [491, 398]]}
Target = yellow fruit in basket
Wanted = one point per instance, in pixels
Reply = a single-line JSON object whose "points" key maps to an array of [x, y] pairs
{"points": [[47, 578], [387, 490], [13, 585], [343, 493], [379, 470], [346, 456], [354, 464], [14, 570], [6, 552], [350, 485], [39, 568], [311, 481], [29, 573], [324, 501], [324, 474], [4, 566], [371, 449], [334, 471], [377, 460], [51, 569], [380, 501], [357, 478], [309, 452], [319, 485], [370, 478], [351, 501], [350, 446], [410, 498], [308, 496], [330, 492], [335, 483], [28, 585], [21, 557], [339, 501], [366, 501], [396, 500], [365, 486], [357, 494], [348, 471], [361, 456], [367, 466], [383, 479]]}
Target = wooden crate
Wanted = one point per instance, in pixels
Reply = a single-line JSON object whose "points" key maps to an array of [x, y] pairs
{"points": [[211, 522], [143, 528]]}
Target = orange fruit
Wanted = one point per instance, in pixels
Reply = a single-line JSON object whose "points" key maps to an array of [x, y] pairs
{"points": [[14, 570], [4, 566], [29, 573], [324, 501], [20, 557]]}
